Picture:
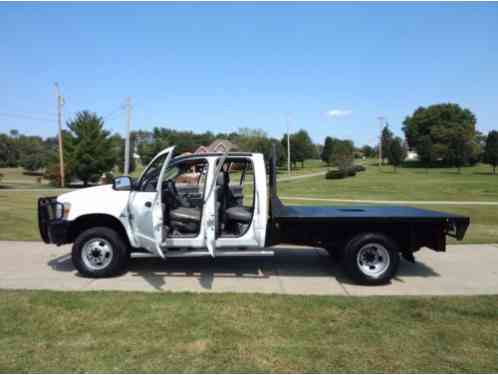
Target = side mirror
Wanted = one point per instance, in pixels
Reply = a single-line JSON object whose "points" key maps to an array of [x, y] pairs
{"points": [[122, 183]]}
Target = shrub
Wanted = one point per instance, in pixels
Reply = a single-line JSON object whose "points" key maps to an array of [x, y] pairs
{"points": [[335, 174], [1, 176]]}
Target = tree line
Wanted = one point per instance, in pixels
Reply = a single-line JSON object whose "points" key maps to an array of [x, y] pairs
{"points": [[89, 150], [443, 134], [446, 134]]}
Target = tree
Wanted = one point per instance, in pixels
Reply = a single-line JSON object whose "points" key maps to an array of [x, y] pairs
{"points": [[448, 126], [52, 170], [491, 150], [90, 152], [327, 151], [253, 140], [459, 148], [34, 153], [342, 155], [301, 146], [119, 144], [426, 151], [397, 152], [386, 140], [9, 151], [368, 151]]}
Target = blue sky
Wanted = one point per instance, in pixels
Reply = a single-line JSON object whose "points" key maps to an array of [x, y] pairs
{"points": [[223, 66]]}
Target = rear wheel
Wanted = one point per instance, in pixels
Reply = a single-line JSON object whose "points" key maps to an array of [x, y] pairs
{"points": [[371, 258], [100, 252]]}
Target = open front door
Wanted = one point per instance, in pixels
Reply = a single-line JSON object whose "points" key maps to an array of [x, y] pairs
{"points": [[158, 209]]}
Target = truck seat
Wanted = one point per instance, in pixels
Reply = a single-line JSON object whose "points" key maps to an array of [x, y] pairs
{"points": [[183, 214], [239, 214]]}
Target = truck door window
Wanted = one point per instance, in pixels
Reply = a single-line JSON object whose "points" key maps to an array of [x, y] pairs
{"points": [[189, 179], [183, 196], [148, 181]]}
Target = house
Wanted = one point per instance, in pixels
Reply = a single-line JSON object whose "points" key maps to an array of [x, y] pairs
{"points": [[218, 145], [411, 155]]}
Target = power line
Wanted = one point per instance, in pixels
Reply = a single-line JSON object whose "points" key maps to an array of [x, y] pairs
{"points": [[115, 111], [28, 116]]}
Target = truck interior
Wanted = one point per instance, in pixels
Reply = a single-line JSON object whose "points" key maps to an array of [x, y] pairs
{"points": [[184, 190], [235, 197]]}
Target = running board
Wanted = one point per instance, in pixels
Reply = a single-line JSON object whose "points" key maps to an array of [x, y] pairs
{"points": [[219, 253]]}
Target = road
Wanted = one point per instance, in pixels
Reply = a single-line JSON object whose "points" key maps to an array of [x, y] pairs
{"points": [[462, 270]]}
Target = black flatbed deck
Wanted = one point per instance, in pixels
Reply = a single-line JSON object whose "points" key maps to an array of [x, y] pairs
{"points": [[361, 213], [455, 225]]}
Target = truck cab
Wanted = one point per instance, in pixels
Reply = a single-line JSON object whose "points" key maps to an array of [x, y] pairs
{"points": [[191, 205], [218, 205]]}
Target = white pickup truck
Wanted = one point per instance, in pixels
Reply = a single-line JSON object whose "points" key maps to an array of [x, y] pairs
{"points": [[219, 205]]}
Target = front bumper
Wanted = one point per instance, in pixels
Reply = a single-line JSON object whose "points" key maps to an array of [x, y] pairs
{"points": [[53, 228]]}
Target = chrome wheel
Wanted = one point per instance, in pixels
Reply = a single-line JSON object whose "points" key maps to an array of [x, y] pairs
{"points": [[373, 260], [97, 253]]}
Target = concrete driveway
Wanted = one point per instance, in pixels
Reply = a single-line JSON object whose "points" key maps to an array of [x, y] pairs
{"points": [[462, 270]]}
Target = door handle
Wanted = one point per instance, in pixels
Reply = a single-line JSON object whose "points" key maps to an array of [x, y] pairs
{"points": [[148, 204]]}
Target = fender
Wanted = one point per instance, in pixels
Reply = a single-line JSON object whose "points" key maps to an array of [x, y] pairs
{"points": [[99, 200]]}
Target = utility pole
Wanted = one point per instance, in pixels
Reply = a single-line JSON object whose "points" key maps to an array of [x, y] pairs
{"points": [[381, 122], [288, 147], [127, 141], [60, 120]]}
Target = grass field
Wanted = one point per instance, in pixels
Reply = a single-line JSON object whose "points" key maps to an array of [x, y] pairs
{"points": [[16, 178], [18, 219], [18, 209], [162, 332], [441, 184]]}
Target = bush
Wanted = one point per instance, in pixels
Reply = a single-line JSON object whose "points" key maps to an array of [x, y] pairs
{"points": [[335, 174], [338, 174], [1, 176]]}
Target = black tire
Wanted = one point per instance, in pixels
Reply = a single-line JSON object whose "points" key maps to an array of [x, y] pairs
{"points": [[111, 239], [371, 267]]}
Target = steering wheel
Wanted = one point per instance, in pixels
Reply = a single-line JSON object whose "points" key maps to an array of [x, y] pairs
{"points": [[172, 193]]}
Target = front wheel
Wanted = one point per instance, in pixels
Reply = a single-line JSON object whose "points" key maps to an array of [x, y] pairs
{"points": [[371, 258], [100, 252]]}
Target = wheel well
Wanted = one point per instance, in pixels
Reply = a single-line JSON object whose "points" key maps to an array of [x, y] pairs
{"points": [[96, 220]]}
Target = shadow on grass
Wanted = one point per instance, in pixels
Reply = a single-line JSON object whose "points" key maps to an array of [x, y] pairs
{"points": [[206, 271]]}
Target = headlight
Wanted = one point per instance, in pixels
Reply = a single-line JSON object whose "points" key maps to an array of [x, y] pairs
{"points": [[62, 210], [67, 208]]}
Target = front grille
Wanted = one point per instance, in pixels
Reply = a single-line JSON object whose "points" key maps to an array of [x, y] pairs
{"points": [[47, 212]]}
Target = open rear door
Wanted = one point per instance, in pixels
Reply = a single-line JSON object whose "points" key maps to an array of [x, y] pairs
{"points": [[210, 221], [158, 209]]}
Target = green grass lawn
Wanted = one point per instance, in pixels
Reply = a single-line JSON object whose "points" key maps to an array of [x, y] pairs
{"points": [[442, 184], [44, 331], [310, 166], [18, 219], [16, 178]]}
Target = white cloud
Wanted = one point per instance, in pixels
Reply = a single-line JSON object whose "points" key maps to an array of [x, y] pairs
{"points": [[339, 113]]}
